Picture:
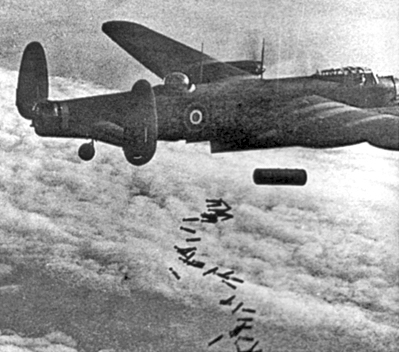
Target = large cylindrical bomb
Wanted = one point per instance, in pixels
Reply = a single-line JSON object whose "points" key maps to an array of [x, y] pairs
{"points": [[280, 177]]}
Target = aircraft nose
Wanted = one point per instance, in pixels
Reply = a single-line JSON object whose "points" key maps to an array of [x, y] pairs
{"points": [[392, 84], [396, 88]]}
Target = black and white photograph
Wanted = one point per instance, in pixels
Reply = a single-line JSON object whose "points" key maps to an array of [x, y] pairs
{"points": [[199, 176]]}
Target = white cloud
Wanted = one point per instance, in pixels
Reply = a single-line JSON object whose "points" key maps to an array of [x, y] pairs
{"points": [[321, 255]]}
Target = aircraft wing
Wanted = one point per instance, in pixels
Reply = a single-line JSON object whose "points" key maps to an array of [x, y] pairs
{"points": [[317, 122], [163, 55], [391, 109]]}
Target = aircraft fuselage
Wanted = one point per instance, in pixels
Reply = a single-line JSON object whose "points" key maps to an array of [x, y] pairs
{"points": [[232, 110]]}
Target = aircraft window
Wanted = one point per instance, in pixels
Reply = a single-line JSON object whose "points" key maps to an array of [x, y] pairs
{"points": [[370, 79], [55, 107]]}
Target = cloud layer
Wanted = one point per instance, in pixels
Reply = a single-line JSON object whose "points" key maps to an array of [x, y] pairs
{"points": [[321, 258]]}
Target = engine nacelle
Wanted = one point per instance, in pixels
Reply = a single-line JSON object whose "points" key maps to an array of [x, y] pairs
{"points": [[251, 66], [178, 82], [140, 127]]}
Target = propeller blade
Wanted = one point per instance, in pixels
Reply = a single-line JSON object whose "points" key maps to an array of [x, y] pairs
{"points": [[262, 58]]}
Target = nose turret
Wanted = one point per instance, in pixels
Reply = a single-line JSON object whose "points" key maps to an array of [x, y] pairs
{"points": [[392, 84], [396, 87]]}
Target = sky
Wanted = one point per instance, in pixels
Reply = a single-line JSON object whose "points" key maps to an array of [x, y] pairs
{"points": [[301, 36]]}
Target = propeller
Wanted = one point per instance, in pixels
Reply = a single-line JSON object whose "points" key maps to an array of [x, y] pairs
{"points": [[262, 58], [253, 51], [252, 46]]}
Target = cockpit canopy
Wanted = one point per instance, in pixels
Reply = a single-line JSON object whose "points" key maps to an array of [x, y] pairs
{"points": [[349, 75], [178, 82], [349, 70]]}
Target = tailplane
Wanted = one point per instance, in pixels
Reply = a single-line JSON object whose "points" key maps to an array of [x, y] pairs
{"points": [[33, 82]]}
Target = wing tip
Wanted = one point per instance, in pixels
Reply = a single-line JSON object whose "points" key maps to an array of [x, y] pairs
{"points": [[113, 28]]}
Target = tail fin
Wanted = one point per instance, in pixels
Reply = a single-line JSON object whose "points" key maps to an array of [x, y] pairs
{"points": [[33, 81]]}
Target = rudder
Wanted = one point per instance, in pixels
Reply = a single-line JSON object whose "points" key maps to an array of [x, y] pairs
{"points": [[33, 81]]}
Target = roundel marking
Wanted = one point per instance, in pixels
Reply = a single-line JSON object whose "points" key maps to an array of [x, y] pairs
{"points": [[195, 117]]}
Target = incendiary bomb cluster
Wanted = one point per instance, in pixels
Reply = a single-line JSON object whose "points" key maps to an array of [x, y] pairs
{"points": [[218, 211]]}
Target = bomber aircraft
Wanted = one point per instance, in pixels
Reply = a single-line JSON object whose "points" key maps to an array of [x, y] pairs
{"points": [[202, 99]]}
